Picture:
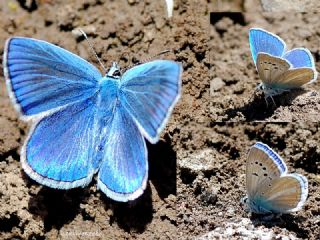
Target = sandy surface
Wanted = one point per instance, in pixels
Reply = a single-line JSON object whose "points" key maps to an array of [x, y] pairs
{"points": [[291, 5], [197, 169], [265, 5]]}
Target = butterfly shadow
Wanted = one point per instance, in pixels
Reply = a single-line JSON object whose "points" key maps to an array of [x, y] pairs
{"points": [[288, 221], [163, 167], [30, 6], [56, 207], [259, 109], [132, 216]]}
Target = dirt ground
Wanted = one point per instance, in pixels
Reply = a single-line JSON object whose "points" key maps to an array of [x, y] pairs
{"points": [[266, 5], [188, 202], [121, 31]]}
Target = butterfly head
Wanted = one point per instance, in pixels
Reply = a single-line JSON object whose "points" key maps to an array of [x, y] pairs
{"points": [[114, 71], [245, 203]]}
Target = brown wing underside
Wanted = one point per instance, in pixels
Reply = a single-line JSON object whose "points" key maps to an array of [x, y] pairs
{"points": [[275, 71]]}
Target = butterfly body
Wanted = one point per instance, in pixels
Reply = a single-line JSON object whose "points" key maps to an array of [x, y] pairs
{"points": [[83, 122], [280, 70], [270, 189], [108, 94]]}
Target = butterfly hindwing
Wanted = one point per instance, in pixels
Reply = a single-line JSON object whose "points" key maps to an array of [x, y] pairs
{"points": [[263, 165], [285, 194], [124, 169], [300, 57], [277, 73], [60, 149], [295, 78], [41, 76], [266, 42], [148, 92]]}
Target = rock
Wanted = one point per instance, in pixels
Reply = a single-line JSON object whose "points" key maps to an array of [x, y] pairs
{"points": [[198, 161], [216, 84]]}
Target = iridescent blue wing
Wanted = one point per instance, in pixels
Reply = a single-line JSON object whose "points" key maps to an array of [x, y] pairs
{"points": [[124, 169], [263, 165], [149, 92], [60, 149], [41, 76], [263, 41], [300, 57], [285, 194]]}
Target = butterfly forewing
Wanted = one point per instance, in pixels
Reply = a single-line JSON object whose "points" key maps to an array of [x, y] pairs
{"points": [[271, 69], [263, 165], [41, 76], [148, 92], [266, 42]]}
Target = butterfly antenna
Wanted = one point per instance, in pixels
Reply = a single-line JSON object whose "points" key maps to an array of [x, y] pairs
{"points": [[94, 52], [156, 55], [148, 59]]}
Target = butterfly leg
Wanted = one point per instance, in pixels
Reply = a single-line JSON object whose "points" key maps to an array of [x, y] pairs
{"points": [[270, 217], [266, 100], [273, 101]]}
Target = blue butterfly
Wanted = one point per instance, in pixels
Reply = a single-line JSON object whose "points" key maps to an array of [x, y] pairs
{"points": [[269, 188], [84, 122], [279, 70]]}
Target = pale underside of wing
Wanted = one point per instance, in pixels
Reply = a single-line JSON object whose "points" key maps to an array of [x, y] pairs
{"points": [[277, 73], [263, 165], [285, 194]]}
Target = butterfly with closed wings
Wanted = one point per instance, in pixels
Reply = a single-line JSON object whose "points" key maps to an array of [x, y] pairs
{"points": [[270, 189], [280, 70]]}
